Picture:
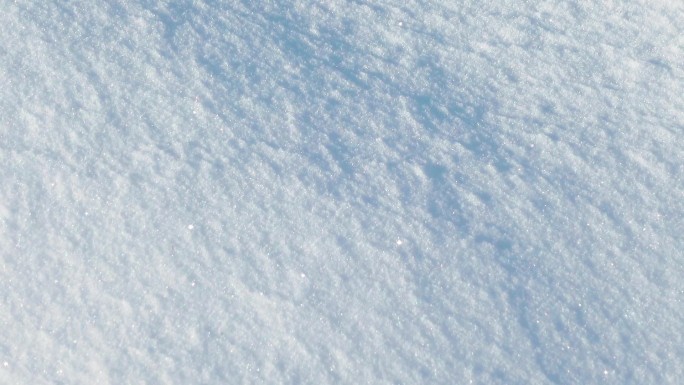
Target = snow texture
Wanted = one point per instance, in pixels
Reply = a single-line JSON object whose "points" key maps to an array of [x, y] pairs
{"points": [[347, 192]]}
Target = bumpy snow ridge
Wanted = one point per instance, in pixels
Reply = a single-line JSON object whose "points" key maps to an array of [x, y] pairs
{"points": [[326, 192]]}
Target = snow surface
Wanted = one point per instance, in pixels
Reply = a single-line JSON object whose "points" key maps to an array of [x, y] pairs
{"points": [[309, 191]]}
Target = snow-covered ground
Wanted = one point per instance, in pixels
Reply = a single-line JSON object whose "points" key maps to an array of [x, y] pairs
{"points": [[329, 191]]}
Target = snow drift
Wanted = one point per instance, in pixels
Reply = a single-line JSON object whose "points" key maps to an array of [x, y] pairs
{"points": [[341, 192]]}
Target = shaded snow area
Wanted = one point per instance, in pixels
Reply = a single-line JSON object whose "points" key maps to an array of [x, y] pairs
{"points": [[341, 192]]}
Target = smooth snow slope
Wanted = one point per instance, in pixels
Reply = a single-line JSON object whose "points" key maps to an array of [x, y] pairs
{"points": [[405, 192]]}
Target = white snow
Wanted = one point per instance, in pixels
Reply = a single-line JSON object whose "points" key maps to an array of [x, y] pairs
{"points": [[305, 191]]}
